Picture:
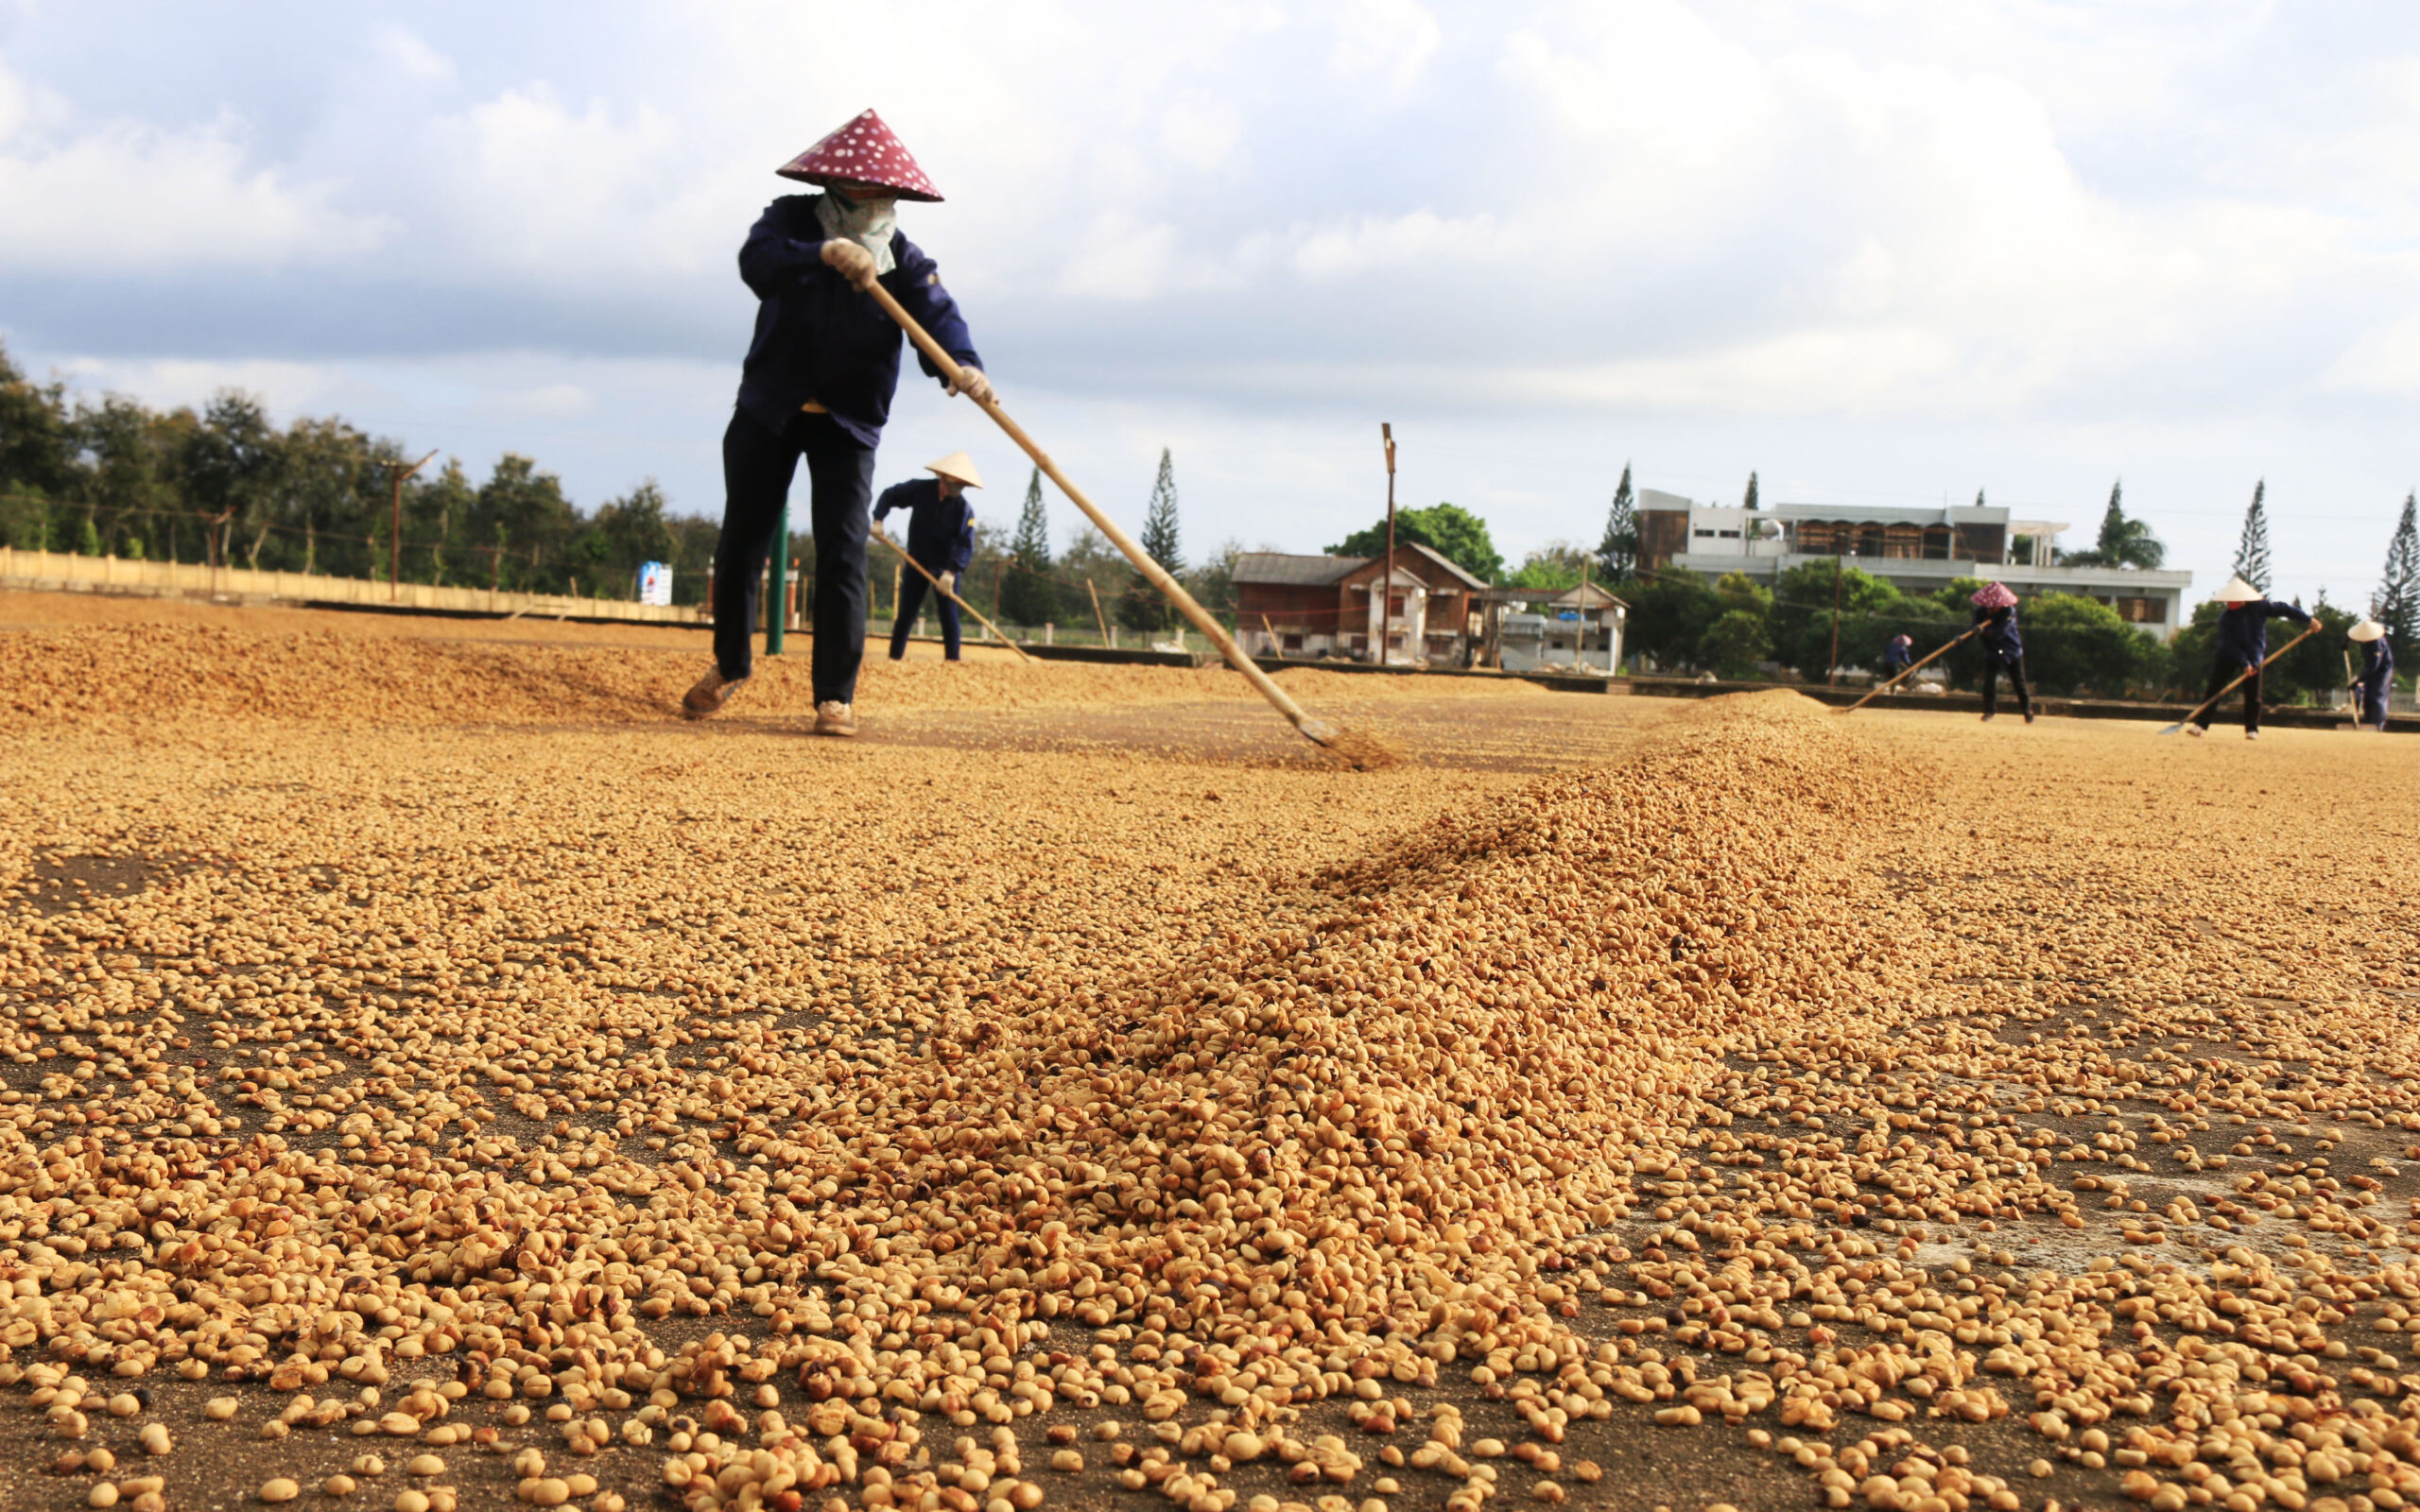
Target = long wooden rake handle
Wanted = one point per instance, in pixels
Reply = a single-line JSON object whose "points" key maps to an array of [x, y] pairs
{"points": [[2308, 632], [1909, 672], [879, 534], [1318, 730]]}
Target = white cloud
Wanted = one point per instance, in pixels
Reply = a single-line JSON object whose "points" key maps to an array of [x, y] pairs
{"points": [[1386, 41], [413, 58], [121, 196]]}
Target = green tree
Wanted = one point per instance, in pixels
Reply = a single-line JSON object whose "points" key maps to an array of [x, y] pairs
{"points": [[1733, 643], [1670, 615], [38, 471], [1554, 567], [1143, 607], [2123, 542], [2074, 644], [1750, 502], [2396, 604], [126, 484], [1447, 529], [520, 513], [1871, 612], [1618, 552], [2252, 547], [1212, 581], [229, 466], [1029, 595], [437, 506], [624, 532]]}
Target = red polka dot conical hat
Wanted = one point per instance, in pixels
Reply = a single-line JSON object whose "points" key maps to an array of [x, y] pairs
{"points": [[866, 151]]}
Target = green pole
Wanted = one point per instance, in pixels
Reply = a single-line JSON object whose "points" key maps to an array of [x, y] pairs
{"points": [[777, 587]]}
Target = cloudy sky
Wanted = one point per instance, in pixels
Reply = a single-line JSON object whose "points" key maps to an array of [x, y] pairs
{"points": [[1879, 251]]}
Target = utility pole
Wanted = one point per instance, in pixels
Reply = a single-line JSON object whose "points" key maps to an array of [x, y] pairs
{"points": [[395, 527], [1832, 668], [1387, 581], [1585, 649]]}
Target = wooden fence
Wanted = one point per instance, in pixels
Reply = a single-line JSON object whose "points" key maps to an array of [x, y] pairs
{"points": [[59, 569]]}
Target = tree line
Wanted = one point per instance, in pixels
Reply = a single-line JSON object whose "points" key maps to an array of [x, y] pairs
{"points": [[223, 485]]}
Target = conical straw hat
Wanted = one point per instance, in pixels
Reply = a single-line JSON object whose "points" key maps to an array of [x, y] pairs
{"points": [[2239, 591], [863, 152], [957, 465], [2366, 630], [1992, 595]]}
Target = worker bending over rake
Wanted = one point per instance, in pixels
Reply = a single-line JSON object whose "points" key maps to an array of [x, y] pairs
{"points": [[817, 383], [1996, 622], [2243, 642], [941, 540]]}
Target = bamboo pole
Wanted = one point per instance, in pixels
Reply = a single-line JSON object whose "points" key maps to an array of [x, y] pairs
{"points": [[1360, 750], [2310, 632]]}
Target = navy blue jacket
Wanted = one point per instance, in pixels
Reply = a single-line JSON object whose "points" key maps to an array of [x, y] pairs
{"points": [[940, 532], [2244, 629], [817, 338], [1999, 633], [2377, 661], [1895, 656]]}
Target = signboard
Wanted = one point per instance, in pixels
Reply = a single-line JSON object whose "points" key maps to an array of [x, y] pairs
{"points": [[655, 583]]}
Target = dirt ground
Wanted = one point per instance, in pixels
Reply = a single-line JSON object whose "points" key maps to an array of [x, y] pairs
{"points": [[255, 866]]}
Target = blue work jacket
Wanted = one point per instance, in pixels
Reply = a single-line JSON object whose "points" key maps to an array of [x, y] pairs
{"points": [[1895, 656], [2377, 661], [2244, 629], [1999, 633], [817, 338], [940, 532]]}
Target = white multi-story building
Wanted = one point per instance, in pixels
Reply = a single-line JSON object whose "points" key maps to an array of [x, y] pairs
{"points": [[1919, 551]]}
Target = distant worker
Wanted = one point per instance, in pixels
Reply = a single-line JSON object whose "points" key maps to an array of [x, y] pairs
{"points": [[1995, 621], [817, 383], [2375, 687], [2243, 644], [1898, 656], [941, 537]]}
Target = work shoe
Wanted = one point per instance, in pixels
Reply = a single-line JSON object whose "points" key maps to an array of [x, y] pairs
{"points": [[2195, 730], [1987, 718], [2252, 734], [708, 695], [2028, 717], [833, 717]]}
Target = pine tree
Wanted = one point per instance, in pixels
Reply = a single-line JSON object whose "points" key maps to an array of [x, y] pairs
{"points": [[2123, 542], [1144, 608], [1979, 498], [1617, 554], [2396, 604], [1029, 595], [1751, 501], [2252, 549]]}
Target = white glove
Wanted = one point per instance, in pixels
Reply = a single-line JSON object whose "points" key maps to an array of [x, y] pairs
{"points": [[949, 584], [851, 262], [972, 382]]}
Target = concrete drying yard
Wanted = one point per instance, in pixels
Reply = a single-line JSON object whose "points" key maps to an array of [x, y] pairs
{"points": [[435, 1077]]}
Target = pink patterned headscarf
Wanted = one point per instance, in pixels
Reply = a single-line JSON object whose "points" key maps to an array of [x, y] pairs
{"points": [[1993, 596]]}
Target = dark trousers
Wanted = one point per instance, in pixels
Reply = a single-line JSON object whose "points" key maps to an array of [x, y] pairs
{"points": [[2373, 693], [1993, 668], [911, 603], [757, 467], [2223, 673]]}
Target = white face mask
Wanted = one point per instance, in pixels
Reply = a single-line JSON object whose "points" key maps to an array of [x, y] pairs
{"points": [[868, 222]]}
